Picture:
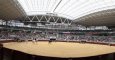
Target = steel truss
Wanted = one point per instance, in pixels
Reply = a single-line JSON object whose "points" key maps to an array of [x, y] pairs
{"points": [[48, 19]]}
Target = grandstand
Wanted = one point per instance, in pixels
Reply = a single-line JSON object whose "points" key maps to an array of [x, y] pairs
{"points": [[57, 30]]}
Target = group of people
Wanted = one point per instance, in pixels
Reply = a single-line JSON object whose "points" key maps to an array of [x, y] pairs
{"points": [[24, 35]]}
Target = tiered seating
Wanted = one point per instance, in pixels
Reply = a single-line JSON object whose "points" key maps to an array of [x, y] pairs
{"points": [[25, 35]]}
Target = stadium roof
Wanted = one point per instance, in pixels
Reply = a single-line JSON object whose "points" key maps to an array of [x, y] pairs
{"points": [[71, 9], [87, 12]]}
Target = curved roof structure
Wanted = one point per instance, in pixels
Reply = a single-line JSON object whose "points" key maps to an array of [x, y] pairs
{"points": [[71, 9], [85, 12], [105, 17]]}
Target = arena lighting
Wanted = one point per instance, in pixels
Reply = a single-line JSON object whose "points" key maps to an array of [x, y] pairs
{"points": [[71, 9]]}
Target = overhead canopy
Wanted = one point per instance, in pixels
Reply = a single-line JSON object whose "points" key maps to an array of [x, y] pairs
{"points": [[84, 12], [71, 9]]}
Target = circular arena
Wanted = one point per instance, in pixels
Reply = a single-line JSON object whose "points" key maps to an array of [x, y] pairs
{"points": [[57, 30], [60, 49]]}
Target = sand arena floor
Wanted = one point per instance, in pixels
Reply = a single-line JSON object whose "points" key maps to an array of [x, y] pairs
{"points": [[60, 49]]}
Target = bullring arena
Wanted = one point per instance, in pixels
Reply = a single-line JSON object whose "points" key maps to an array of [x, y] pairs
{"points": [[60, 49], [57, 29], [57, 50]]}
